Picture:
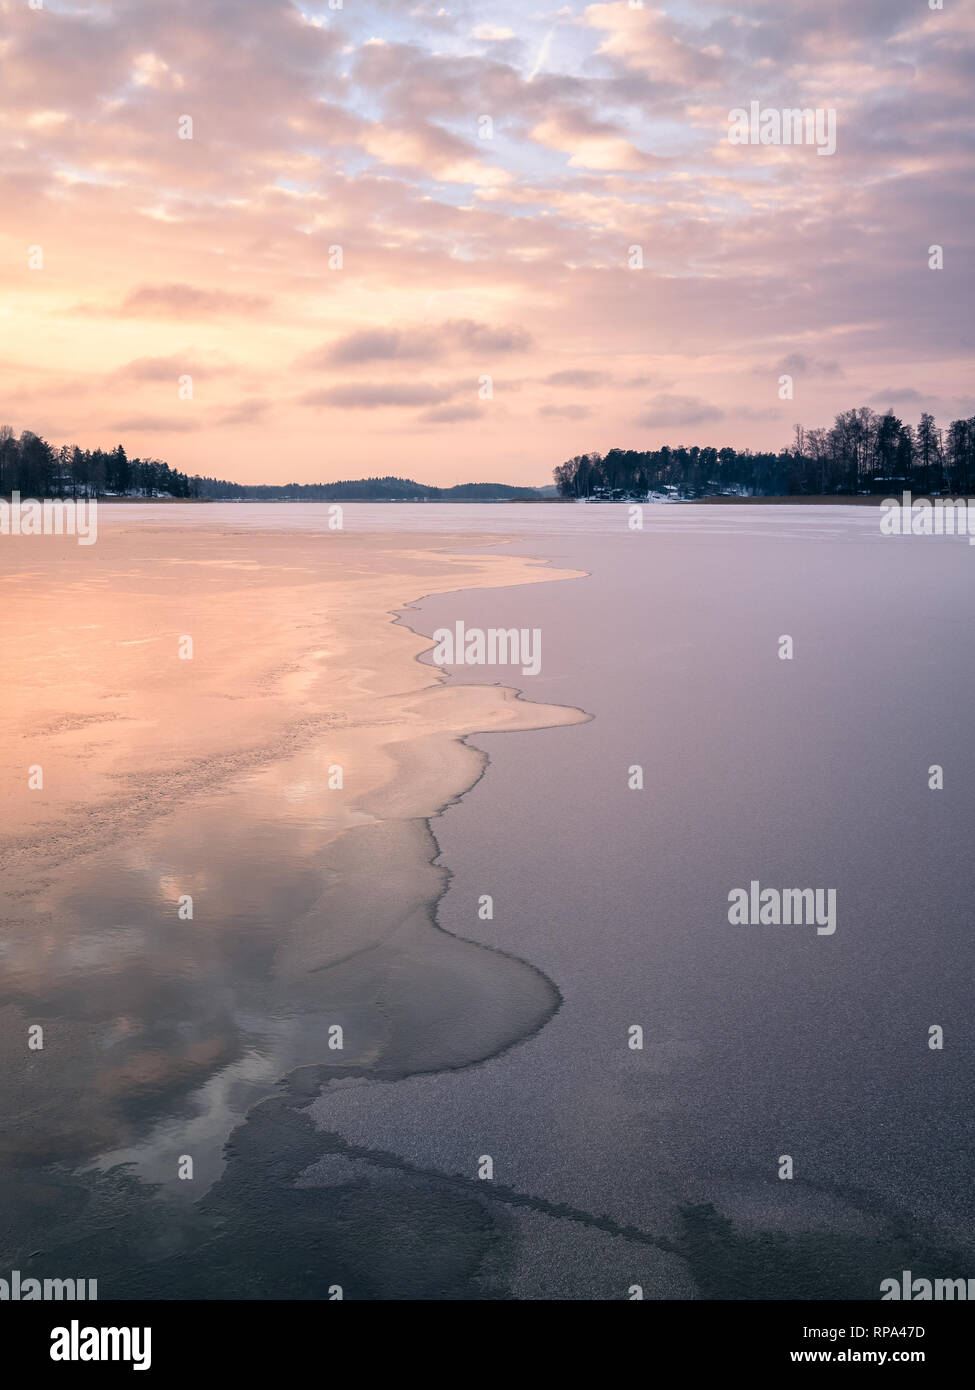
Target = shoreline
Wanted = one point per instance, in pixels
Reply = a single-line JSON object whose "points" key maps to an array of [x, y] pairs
{"points": [[782, 499], [346, 945]]}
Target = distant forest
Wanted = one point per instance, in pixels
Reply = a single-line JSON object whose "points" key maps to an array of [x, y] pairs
{"points": [[34, 468], [361, 490], [863, 452]]}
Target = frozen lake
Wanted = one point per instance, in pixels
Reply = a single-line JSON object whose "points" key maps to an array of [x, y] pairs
{"points": [[765, 1047], [759, 1041]]}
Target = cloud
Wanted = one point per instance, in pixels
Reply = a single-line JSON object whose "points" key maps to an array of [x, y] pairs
{"points": [[796, 362], [646, 40], [593, 144], [905, 394], [189, 301], [583, 379], [153, 424], [371, 345], [541, 58], [244, 412], [565, 412], [211, 256], [649, 379], [164, 369], [428, 147], [365, 395], [451, 414], [666, 410], [456, 337], [490, 33]]}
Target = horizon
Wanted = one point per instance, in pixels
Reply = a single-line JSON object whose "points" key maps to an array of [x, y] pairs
{"points": [[835, 441], [491, 194]]}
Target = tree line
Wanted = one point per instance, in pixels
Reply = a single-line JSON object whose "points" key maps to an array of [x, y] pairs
{"points": [[863, 452], [388, 489], [34, 468]]}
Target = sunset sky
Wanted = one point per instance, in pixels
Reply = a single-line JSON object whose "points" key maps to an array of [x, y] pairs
{"points": [[462, 257]]}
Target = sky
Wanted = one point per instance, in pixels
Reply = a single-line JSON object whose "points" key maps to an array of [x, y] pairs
{"points": [[278, 242]]}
